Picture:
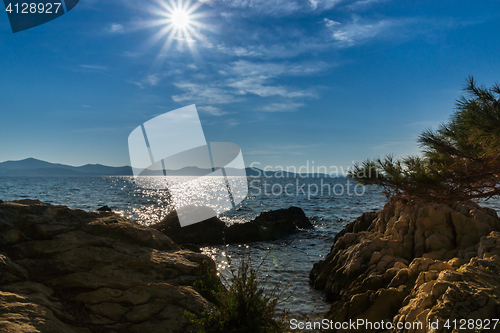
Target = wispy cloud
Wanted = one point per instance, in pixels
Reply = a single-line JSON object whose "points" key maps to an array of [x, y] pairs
{"points": [[323, 4], [150, 80], [330, 23], [274, 49], [242, 78], [271, 69], [212, 110], [204, 94], [360, 31], [116, 28], [232, 122], [268, 7], [282, 107], [259, 87], [94, 67], [363, 4], [257, 78], [153, 79], [238, 51], [280, 7]]}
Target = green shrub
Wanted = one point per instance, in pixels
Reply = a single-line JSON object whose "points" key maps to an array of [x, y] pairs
{"points": [[244, 306]]}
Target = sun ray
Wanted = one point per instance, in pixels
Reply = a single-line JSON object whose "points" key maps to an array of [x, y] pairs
{"points": [[177, 22]]}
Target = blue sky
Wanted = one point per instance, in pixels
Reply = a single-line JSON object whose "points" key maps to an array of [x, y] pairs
{"points": [[289, 81]]}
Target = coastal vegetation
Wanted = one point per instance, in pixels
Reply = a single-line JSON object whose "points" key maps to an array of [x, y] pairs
{"points": [[460, 159], [241, 304]]}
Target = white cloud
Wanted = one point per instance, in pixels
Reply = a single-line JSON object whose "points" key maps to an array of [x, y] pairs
{"points": [[359, 31], [273, 7], [237, 51], [362, 4], [245, 68], [256, 78], [241, 78], [282, 107], [282, 45], [258, 86], [148, 80], [286, 7], [232, 122], [94, 67], [199, 93], [323, 4], [211, 110], [116, 28], [153, 79], [305, 45], [330, 23]]}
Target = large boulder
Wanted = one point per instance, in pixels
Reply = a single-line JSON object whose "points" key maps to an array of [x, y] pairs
{"points": [[269, 225], [414, 262], [66, 270]]}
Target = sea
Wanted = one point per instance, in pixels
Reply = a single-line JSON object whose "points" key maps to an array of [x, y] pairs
{"points": [[283, 266]]}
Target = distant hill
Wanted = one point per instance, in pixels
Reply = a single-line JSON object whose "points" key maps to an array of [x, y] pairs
{"points": [[34, 167]]}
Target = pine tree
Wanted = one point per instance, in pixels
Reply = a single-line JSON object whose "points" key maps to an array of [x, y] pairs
{"points": [[460, 161]]}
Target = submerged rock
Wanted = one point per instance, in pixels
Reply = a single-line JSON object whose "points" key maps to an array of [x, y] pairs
{"points": [[66, 270], [414, 263], [270, 225]]}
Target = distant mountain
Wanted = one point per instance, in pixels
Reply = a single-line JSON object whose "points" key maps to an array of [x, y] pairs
{"points": [[30, 164], [34, 167]]}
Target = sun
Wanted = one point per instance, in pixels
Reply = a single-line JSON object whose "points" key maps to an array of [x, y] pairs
{"points": [[180, 19], [175, 21], [174, 26]]}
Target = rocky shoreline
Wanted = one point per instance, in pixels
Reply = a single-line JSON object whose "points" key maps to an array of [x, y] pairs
{"points": [[70, 271], [415, 263]]}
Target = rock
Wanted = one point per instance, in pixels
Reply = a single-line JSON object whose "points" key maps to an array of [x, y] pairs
{"points": [[270, 225], [291, 216], [469, 293], [104, 209], [209, 232], [76, 271], [362, 223], [414, 262]]}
